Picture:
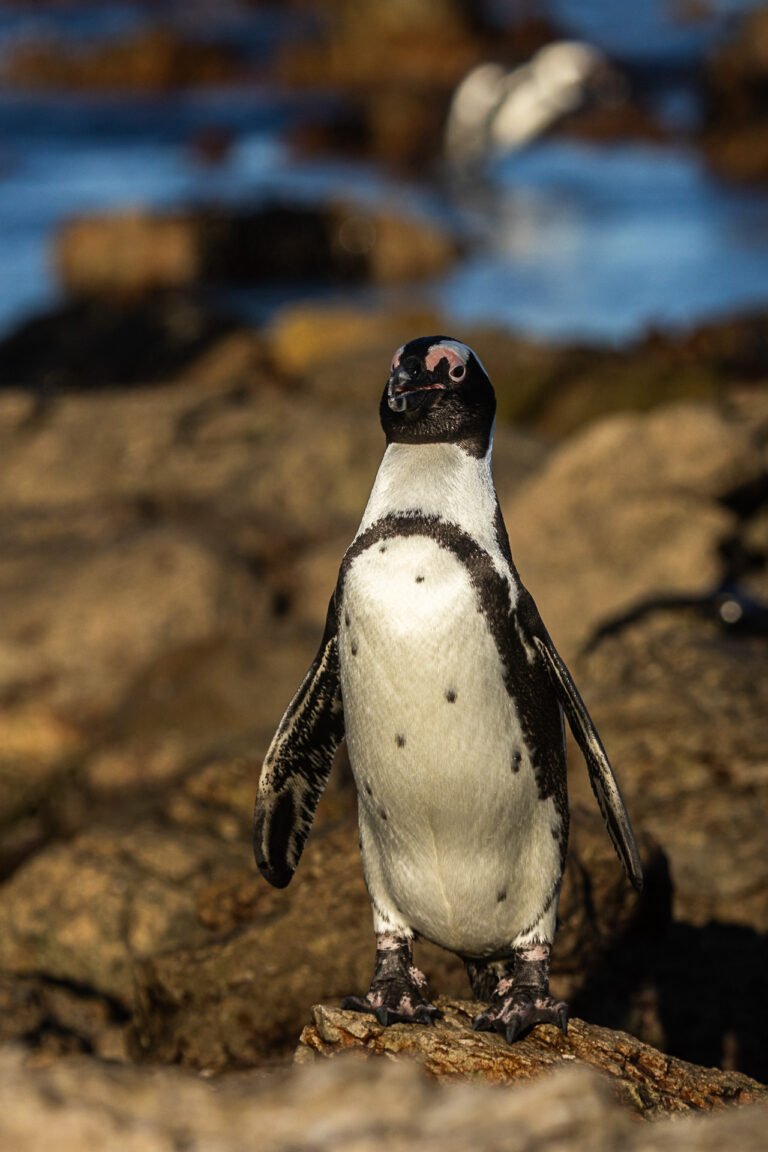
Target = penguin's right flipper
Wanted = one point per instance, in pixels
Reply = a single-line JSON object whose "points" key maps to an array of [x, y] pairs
{"points": [[604, 784], [298, 763]]}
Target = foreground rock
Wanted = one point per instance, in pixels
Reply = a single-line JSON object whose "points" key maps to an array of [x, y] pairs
{"points": [[339, 1105], [644, 1080]]}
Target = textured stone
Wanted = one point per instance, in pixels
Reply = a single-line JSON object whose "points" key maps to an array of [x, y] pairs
{"points": [[644, 1080], [88, 911], [629, 509]]}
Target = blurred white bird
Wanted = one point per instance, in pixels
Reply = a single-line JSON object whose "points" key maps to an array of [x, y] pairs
{"points": [[494, 110]]}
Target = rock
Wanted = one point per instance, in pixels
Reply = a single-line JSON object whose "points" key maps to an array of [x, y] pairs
{"points": [[57, 1020], [135, 582], [340, 1104], [674, 690], [644, 1080], [237, 1002], [100, 342], [152, 60], [736, 98], [86, 912], [143, 252], [556, 389], [681, 707], [119, 607], [307, 339], [630, 508]]}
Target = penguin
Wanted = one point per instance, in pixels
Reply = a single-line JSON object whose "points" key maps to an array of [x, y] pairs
{"points": [[436, 667]]}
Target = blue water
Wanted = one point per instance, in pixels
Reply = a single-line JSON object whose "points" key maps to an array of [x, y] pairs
{"points": [[582, 241], [569, 240]]}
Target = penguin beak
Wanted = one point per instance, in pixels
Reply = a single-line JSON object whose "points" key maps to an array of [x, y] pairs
{"points": [[406, 394]]}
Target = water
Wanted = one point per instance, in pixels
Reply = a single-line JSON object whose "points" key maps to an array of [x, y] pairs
{"points": [[572, 240], [601, 243]]}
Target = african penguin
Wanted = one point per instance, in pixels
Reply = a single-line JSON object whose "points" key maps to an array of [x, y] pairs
{"points": [[436, 666]]}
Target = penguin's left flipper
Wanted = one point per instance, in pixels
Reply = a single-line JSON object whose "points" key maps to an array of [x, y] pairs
{"points": [[604, 784], [298, 763]]}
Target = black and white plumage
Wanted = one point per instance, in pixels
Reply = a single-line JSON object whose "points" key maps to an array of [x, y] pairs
{"points": [[436, 666]]}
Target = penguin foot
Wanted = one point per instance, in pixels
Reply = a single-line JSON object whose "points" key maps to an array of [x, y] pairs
{"points": [[399, 993], [516, 1013]]}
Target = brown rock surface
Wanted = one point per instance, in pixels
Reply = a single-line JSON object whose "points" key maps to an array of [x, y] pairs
{"points": [[681, 705], [630, 508], [339, 1105], [86, 912], [644, 1080]]}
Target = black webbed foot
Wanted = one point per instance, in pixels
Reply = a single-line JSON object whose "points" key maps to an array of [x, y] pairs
{"points": [[519, 1011], [521, 996], [399, 993]]}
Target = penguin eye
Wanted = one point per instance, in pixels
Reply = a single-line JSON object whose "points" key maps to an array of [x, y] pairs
{"points": [[458, 372]]}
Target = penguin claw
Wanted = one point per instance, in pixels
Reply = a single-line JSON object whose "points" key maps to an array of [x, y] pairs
{"points": [[427, 1014], [510, 1031], [357, 1004], [422, 1013], [516, 1015]]}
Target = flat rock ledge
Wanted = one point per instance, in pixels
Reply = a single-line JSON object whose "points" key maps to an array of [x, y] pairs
{"points": [[646, 1081]]}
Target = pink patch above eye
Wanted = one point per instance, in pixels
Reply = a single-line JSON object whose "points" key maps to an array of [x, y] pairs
{"points": [[440, 352], [396, 358]]}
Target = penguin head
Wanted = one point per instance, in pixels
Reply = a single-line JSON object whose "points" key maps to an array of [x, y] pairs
{"points": [[438, 391]]}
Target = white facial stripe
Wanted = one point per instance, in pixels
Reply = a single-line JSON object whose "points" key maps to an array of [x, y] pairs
{"points": [[396, 358]]}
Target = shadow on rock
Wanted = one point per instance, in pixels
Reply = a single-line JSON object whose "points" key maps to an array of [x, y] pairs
{"points": [[95, 342], [697, 992]]}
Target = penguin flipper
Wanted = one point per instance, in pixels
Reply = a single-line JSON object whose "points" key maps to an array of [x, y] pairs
{"points": [[298, 763], [604, 784]]}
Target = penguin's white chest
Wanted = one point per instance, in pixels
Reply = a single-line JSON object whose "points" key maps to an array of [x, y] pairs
{"points": [[455, 837]]}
